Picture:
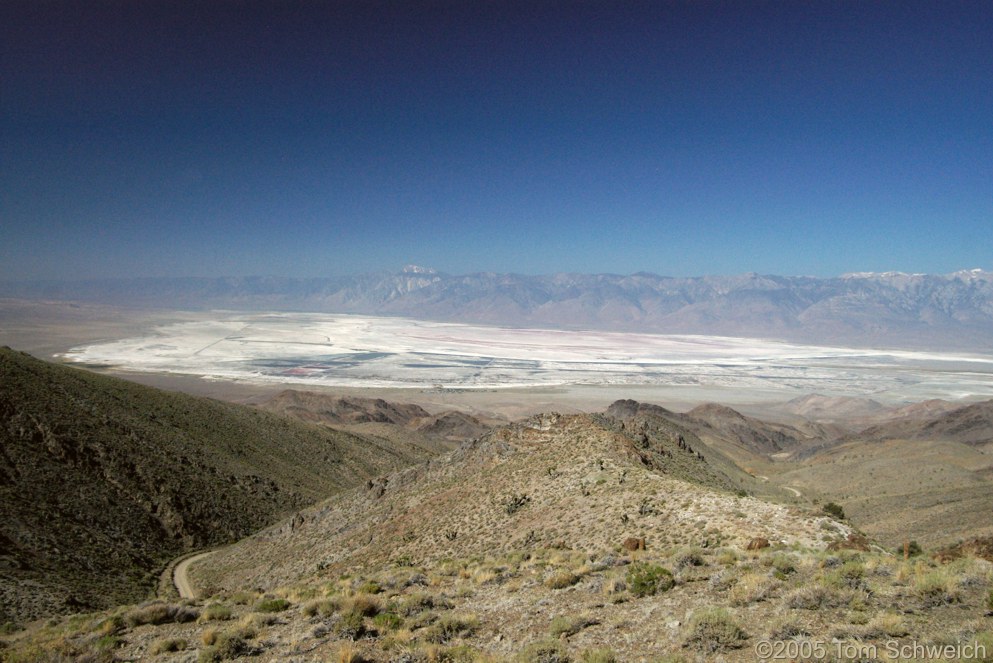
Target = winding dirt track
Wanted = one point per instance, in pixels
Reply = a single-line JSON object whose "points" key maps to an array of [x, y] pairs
{"points": [[182, 580]]}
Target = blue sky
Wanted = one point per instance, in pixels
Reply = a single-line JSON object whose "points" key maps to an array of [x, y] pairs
{"points": [[323, 138]]}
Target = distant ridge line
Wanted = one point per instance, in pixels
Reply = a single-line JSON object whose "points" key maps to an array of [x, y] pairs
{"points": [[888, 309]]}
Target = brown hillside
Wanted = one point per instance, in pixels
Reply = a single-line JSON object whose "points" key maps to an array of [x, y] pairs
{"points": [[581, 481], [102, 481], [355, 413], [755, 435], [971, 424], [342, 410]]}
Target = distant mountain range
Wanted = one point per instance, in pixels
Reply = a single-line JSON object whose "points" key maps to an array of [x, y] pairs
{"points": [[950, 311]]}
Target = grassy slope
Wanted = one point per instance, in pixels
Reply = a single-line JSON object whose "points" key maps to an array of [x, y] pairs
{"points": [[102, 480]]}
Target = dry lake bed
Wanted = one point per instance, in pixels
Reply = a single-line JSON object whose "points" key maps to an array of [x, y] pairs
{"points": [[316, 350]]}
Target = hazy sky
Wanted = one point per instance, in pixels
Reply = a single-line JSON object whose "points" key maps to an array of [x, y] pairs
{"points": [[321, 138]]}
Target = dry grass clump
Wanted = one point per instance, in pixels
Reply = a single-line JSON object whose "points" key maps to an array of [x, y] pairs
{"points": [[349, 653], [783, 565], [888, 624], [322, 607], [450, 627], [814, 597], [244, 597], [937, 587], [600, 655], [787, 629], [160, 613], [215, 612], [723, 579], [59, 650], [561, 580], [570, 625], [727, 557], [713, 630], [689, 558], [752, 588], [258, 620], [224, 646], [110, 625], [419, 602], [544, 651], [850, 575], [166, 645], [365, 605]]}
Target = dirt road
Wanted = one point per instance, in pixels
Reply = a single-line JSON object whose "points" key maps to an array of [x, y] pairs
{"points": [[182, 580]]}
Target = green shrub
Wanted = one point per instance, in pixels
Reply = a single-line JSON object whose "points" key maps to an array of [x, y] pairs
{"points": [[834, 510], [714, 630], [370, 587], [350, 626], [645, 579], [387, 621], [913, 549], [107, 643], [782, 565], [849, 575], [272, 605]]}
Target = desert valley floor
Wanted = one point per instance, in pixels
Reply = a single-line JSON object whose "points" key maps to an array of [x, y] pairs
{"points": [[323, 350]]}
